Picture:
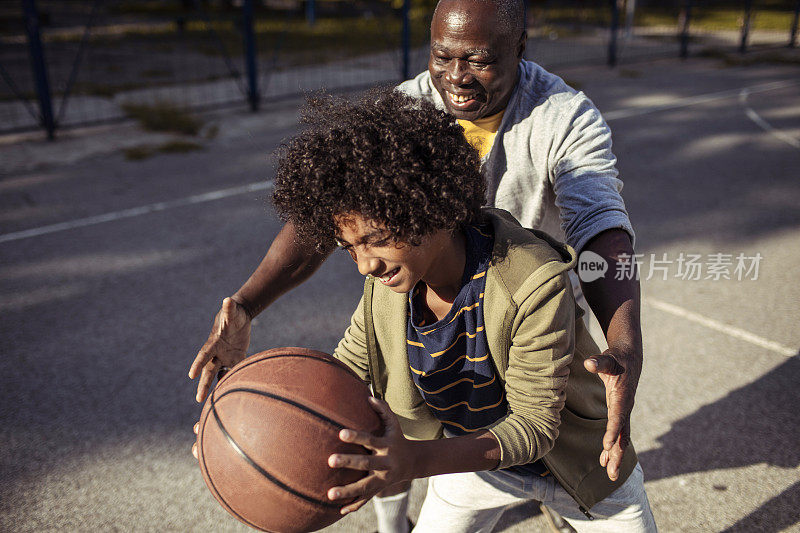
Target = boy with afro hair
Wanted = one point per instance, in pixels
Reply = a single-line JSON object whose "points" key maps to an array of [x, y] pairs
{"points": [[467, 327]]}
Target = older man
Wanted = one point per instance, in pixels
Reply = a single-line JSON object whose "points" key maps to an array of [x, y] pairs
{"points": [[547, 157]]}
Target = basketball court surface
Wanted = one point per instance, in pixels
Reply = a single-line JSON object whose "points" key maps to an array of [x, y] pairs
{"points": [[111, 272]]}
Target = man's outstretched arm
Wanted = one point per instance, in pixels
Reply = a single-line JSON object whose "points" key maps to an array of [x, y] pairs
{"points": [[286, 265], [616, 304]]}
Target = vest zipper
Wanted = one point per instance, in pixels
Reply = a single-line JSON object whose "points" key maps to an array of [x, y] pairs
{"points": [[569, 491]]}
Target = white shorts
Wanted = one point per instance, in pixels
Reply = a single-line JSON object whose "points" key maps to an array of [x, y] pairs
{"points": [[472, 502]]}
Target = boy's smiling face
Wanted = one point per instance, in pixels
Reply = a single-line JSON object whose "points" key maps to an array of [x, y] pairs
{"points": [[399, 266]]}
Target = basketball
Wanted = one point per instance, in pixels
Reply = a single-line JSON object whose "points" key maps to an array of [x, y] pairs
{"points": [[266, 432]]}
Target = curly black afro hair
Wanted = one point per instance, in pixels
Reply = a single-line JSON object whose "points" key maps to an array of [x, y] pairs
{"points": [[387, 157]]}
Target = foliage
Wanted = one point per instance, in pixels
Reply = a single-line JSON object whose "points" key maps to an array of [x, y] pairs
{"points": [[164, 116]]}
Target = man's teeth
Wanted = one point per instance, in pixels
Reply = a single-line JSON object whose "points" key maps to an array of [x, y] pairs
{"points": [[460, 99]]}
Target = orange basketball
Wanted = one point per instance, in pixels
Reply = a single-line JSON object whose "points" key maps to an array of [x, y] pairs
{"points": [[267, 430]]}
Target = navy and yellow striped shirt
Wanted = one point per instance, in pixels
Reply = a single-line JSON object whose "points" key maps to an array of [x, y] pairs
{"points": [[449, 359]]}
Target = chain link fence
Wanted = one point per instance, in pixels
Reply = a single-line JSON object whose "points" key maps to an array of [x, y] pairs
{"points": [[67, 63]]}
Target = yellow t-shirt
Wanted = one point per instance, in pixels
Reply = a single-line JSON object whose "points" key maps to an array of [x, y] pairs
{"points": [[480, 133]]}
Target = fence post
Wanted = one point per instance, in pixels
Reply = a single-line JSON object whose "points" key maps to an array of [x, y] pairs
{"points": [[630, 15], [748, 11], [406, 39], [253, 96], [612, 41], [683, 21], [39, 66], [311, 12], [793, 33]]}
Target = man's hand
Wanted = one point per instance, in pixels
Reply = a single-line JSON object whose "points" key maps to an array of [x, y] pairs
{"points": [[615, 303], [617, 372], [392, 460], [226, 345]]}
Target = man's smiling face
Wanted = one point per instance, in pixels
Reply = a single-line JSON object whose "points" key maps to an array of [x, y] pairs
{"points": [[473, 62]]}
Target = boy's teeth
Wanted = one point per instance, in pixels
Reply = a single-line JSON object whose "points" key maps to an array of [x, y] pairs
{"points": [[459, 98]]}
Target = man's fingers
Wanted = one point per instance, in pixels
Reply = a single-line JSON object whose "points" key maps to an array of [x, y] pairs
{"points": [[615, 441], [603, 364], [224, 315], [194, 451], [614, 460], [613, 430], [196, 428], [201, 360], [206, 379]]}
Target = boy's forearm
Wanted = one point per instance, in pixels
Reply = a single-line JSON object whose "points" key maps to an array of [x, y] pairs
{"points": [[470, 453], [286, 265]]}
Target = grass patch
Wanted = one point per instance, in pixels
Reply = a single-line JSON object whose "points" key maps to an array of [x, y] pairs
{"points": [[175, 146], [211, 132], [629, 73], [138, 153], [753, 57], [178, 146], [164, 116], [287, 37], [155, 73]]}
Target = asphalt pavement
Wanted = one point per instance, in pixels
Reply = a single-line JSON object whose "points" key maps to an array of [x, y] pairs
{"points": [[111, 271]]}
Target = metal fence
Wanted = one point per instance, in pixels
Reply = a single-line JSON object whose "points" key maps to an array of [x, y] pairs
{"points": [[67, 63]]}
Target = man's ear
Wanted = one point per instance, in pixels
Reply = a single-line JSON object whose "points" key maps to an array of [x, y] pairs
{"points": [[523, 40]]}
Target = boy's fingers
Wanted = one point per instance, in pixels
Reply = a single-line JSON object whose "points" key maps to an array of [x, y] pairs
{"points": [[194, 451], [360, 437], [355, 506], [196, 428], [357, 461], [390, 423], [363, 488]]}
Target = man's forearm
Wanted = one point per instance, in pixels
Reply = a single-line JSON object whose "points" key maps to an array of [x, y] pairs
{"points": [[616, 302], [286, 265]]}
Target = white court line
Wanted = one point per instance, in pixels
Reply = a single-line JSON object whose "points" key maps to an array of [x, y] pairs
{"points": [[763, 124], [224, 193], [695, 100], [136, 211], [723, 328]]}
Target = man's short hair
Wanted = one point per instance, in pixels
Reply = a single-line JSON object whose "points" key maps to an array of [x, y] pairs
{"points": [[511, 14]]}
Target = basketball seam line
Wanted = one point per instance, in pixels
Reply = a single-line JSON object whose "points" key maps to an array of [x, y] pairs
{"points": [[219, 494], [255, 465]]}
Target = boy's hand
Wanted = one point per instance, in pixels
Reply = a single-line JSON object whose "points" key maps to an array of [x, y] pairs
{"points": [[617, 374], [226, 345], [392, 460]]}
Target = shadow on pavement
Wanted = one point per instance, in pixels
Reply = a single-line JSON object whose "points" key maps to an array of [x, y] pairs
{"points": [[777, 514], [754, 424]]}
